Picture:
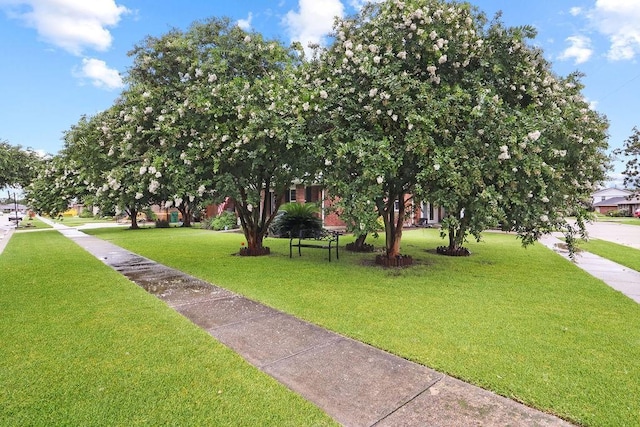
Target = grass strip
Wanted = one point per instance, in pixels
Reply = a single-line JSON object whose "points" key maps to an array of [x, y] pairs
{"points": [[623, 255], [524, 323], [81, 345]]}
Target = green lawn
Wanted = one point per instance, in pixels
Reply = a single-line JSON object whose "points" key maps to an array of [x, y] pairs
{"points": [[77, 221], [83, 346], [524, 323], [619, 220], [28, 223], [624, 255]]}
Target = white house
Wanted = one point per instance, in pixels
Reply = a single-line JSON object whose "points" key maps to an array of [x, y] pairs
{"points": [[609, 193]]}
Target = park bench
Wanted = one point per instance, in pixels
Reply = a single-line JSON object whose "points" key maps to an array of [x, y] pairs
{"points": [[318, 239]]}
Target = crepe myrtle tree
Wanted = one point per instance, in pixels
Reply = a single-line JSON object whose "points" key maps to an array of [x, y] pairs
{"points": [[518, 148], [631, 151], [243, 114], [51, 191], [422, 92], [122, 146], [386, 81], [163, 73], [66, 177]]}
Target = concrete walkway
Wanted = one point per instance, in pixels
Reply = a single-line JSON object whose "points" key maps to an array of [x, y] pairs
{"points": [[617, 276], [355, 384]]}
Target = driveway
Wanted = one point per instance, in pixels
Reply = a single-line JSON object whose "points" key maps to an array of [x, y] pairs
{"points": [[628, 235]]}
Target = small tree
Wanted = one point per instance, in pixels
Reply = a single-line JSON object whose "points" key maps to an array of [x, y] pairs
{"points": [[631, 151]]}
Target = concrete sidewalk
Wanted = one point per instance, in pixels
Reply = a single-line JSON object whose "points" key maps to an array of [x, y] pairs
{"points": [[355, 384], [617, 276]]}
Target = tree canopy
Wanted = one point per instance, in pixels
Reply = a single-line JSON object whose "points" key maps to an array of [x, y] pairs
{"points": [[631, 152], [18, 166]]}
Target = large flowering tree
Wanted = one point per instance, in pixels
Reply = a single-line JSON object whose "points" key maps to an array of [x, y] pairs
{"points": [[240, 119], [519, 147], [424, 99]]}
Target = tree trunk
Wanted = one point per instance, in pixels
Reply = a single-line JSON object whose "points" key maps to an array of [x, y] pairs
{"points": [[133, 214], [359, 242], [185, 210], [452, 239], [393, 224]]}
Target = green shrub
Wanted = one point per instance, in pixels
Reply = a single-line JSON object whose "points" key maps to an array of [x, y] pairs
{"points": [[162, 223], [86, 213], [620, 213], [294, 217], [225, 221]]}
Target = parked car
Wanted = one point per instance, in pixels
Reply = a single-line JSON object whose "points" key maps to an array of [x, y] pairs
{"points": [[15, 216], [637, 213]]}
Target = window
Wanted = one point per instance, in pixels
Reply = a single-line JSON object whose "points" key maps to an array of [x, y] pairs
{"points": [[290, 196]]}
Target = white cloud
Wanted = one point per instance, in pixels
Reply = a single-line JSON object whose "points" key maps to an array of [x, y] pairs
{"points": [[579, 50], [619, 20], [100, 75], [313, 21], [359, 4], [70, 24], [575, 11], [245, 24]]}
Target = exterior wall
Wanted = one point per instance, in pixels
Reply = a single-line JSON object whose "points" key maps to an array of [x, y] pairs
{"points": [[606, 209]]}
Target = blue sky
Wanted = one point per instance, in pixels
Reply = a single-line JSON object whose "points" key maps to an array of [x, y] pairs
{"points": [[65, 58]]}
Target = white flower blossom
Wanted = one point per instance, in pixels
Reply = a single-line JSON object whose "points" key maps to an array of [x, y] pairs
{"points": [[442, 59], [402, 55], [153, 186], [534, 136], [544, 218], [247, 39], [436, 167], [138, 196], [143, 170], [379, 180], [324, 94], [373, 92], [504, 153]]}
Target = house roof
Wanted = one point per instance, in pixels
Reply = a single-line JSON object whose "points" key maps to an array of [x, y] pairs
{"points": [[12, 207], [633, 201], [614, 201], [611, 189]]}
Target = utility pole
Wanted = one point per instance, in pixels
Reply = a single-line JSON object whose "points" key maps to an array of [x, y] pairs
{"points": [[15, 205]]}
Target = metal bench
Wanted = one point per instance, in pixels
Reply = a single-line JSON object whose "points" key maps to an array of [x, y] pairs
{"points": [[318, 239]]}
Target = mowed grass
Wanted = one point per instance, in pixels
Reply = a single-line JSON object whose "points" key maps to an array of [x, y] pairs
{"points": [[524, 323], [624, 255], [83, 346], [619, 220], [77, 221], [30, 223]]}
